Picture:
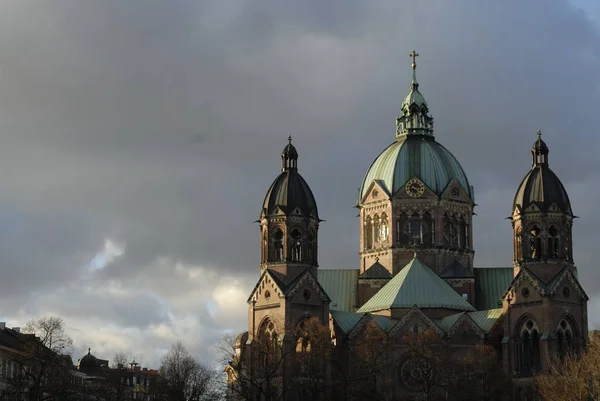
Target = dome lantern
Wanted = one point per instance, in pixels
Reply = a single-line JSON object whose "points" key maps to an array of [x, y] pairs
{"points": [[541, 186], [289, 157], [414, 116], [539, 151]]}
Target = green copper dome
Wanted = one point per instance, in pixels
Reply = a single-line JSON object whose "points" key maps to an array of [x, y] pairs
{"points": [[416, 156], [415, 152]]}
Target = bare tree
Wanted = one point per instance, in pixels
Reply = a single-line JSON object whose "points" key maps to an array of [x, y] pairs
{"points": [[574, 377], [361, 375], [479, 376], [256, 371], [184, 378], [313, 359], [424, 370], [120, 359], [44, 365]]}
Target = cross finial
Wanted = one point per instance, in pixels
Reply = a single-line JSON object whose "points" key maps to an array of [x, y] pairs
{"points": [[539, 133], [414, 56], [289, 139]]}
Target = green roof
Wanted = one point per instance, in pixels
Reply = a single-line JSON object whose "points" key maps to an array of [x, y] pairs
{"points": [[340, 285], [346, 320], [490, 285], [447, 322], [486, 319], [415, 156], [416, 285]]}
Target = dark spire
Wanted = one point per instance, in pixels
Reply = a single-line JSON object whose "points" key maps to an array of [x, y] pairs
{"points": [[539, 151], [289, 157]]}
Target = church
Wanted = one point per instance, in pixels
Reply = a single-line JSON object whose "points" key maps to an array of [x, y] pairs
{"points": [[416, 271]]}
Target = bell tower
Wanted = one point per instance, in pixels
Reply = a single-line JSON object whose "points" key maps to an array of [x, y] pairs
{"points": [[542, 219], [416, 195], [289, 221]]}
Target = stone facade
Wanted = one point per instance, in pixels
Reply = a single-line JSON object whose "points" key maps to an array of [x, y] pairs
{"points": [[415, 206]]}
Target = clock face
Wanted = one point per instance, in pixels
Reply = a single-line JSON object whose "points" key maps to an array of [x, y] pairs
{"points": [[415, 188]]}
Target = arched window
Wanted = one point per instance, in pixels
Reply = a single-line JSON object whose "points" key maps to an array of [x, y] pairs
{"points": [[376, 229], [310, 244], [553, 244], [368, 233], [401, 236], [264, 244], [450, 232], [427, 228], [564, 338], [303, 338], [567, 242], [384, 231], [519, 244], [277, 244], [268, 344], [296, 245], [535, 243], [462, 233], [528, 357], [414, 229]]}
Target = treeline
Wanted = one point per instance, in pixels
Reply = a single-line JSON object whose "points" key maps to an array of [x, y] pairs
{"points": [[35, 366]]}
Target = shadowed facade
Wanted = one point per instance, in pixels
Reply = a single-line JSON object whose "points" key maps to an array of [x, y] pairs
{"points": [[416, 270]]}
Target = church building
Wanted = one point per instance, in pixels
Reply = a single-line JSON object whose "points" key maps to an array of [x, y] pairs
{"points": [[415, 267]]}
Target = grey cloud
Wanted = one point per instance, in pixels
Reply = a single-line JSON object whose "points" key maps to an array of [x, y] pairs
{"points": [[160, 126]]}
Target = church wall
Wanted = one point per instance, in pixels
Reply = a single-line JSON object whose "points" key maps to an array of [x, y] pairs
{"points": [[463, 286], [368, 288]]}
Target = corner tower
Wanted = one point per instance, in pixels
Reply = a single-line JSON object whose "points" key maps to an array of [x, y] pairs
{"points": [[542, 218], [289, 221], [416, 195]]}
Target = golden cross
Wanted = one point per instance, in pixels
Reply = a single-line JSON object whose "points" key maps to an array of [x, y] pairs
{"points": [[414, 56]]}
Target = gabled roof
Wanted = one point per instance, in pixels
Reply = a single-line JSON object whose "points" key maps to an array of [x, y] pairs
{"points": [[287, 289], [416, 285], [376, 271], [490, 285], [345, 320], [486, 319], [306, 275], [340, 285], [455, 270]]}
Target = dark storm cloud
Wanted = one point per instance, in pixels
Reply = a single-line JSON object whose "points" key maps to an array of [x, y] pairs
{"points": [[158, 125]]}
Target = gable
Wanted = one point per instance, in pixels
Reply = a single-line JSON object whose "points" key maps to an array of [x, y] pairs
{"points": [[525, 288], [267, 290], [306, 289], [377, 191], [566, 288], [414, 317], [465, 328], [454, 191], [402, 194]]}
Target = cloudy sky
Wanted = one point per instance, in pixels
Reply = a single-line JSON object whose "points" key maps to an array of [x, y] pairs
{"points": [[137, 140]]}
